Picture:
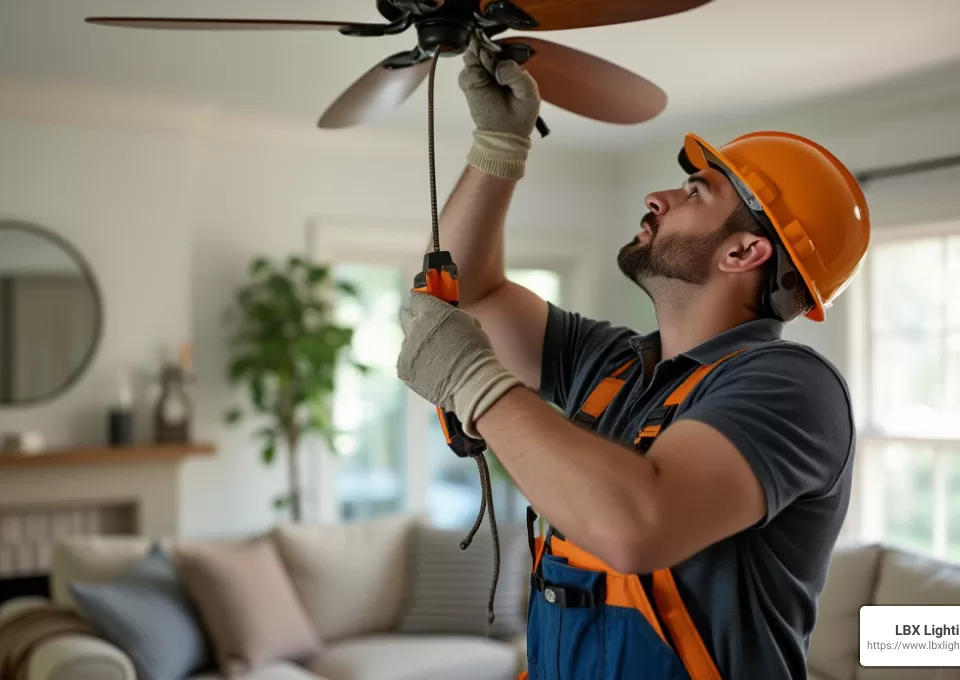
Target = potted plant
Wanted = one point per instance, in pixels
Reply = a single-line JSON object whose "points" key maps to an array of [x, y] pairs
{"points": [[286, 348]]}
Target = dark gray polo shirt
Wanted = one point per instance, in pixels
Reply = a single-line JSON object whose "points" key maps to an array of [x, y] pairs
{"points": [[753, 596]]}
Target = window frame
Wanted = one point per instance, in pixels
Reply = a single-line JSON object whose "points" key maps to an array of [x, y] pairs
{"points": [[867, 516], [403, 245]]}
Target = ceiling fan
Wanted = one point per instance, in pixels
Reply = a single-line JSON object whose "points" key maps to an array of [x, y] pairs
{"points": [[570, 79]]}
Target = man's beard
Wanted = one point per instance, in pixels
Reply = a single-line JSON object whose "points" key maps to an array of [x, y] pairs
{"points": [[678, 257]]}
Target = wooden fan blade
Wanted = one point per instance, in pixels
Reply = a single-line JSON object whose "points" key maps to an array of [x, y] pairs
{"points": [[378, 92], [590, 86], [556, 15], [225, 24]]}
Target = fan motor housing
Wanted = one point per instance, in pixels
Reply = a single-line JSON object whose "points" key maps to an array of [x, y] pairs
{"points": [[450, 36]]}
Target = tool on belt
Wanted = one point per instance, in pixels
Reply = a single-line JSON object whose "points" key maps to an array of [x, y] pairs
{"points": [[439, 278]]}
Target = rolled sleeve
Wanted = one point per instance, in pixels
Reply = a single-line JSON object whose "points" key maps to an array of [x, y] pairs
{"points": [[576, 352], [789, 414]]}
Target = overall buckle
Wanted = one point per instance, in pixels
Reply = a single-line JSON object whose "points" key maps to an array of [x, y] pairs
{"points": [[570, 597]]}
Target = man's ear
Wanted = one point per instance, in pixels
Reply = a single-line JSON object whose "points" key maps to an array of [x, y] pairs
{"points": [[745, 251]]}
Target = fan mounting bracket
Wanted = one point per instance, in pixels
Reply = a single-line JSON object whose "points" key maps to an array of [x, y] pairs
{"points": [[505, 13], [406, 59], [515, 51], [395, 27]]}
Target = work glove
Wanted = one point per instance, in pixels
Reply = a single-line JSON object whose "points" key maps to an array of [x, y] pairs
{"points": [[504, 102], [448, 360]]}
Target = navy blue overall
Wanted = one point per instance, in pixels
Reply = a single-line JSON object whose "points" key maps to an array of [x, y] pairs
{"points": [[587, 621]]}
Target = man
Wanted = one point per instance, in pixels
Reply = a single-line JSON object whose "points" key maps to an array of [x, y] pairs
{"points": [[697, 485]]}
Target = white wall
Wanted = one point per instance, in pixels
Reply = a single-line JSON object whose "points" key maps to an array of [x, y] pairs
{"points": [[119, 199], [169, 221]]}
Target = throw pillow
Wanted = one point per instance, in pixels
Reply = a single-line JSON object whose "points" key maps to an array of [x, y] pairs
{"points": [[146, 613], [351, 576], [451, 587], [248, 605]]}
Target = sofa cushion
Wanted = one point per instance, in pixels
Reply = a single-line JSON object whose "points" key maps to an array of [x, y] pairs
{"points": [[248, 605], [834, 648], [275, 671], [451, 587], [91, 559], [350, 577], [911, 579], [99, 559], [146, 613], [416, 657]]}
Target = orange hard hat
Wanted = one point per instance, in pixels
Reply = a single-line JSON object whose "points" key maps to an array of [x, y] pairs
{"points": [[808, 199]]}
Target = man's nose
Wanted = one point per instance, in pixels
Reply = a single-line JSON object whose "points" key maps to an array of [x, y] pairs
{"points": [[657, 202]]}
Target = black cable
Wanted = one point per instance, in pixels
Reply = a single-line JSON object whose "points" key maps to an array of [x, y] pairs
{"points": [[432, 153], [486, 493]]}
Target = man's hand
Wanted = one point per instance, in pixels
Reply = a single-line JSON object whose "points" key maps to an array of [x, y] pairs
{"points": [[504, 102], [448, 360]]}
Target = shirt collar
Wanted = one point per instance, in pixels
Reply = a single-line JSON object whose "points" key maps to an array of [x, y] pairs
{"points": [[745, 335]]}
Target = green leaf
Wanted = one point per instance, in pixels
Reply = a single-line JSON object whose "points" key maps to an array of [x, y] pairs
{"points": [[258, 266], [233, 416], [257, 394], [281, 502], [347, 288], [241, 367], [268, 453], [330, 440], [317, 275], [267, 432]]}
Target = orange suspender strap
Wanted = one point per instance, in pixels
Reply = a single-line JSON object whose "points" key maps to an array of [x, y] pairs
{"points": [[661, 416], [602, 395], [688, 644]]}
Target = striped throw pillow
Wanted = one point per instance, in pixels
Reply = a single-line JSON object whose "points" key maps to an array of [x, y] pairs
{"points": [[450, 587]]}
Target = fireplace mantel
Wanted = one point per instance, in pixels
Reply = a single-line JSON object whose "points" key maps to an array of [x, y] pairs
{"points": [[122, 455], [143, 480]]}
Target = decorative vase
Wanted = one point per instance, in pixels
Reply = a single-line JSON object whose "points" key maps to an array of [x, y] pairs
{"points": [[174, 410]]}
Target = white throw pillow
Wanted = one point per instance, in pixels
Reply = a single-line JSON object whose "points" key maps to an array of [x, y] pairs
{"points": [[350, 577], [91, 559]]}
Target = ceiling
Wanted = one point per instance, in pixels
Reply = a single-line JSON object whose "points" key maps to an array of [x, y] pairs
{"points": [[722, 61]]}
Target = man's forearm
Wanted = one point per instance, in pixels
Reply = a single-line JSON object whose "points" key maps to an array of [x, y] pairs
{"points": [[598, 493], [472, 230]]}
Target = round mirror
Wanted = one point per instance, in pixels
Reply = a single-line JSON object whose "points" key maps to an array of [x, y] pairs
{"points": [[50, 314]]}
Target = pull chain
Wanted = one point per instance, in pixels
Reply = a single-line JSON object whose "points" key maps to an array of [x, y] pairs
{"points": [[432, 153], [486, 494]]}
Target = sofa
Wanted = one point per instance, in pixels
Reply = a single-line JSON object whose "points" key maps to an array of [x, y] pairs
{"points": [[393, 599], [874, 574], [385, 599]]}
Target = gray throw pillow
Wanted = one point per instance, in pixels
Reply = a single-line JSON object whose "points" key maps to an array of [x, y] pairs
{"points": [[146, 614], [451, 587]]}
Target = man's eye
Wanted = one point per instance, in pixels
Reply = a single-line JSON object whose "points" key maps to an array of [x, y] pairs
{"points": [[694, 192]]}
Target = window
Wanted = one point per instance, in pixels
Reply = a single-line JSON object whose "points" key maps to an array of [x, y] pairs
{"points": [[370, 411], [391, 454], [453, 497], [910, 448]]}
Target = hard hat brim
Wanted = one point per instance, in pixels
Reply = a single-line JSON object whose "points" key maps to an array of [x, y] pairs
{"points": [[700, 155]]}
